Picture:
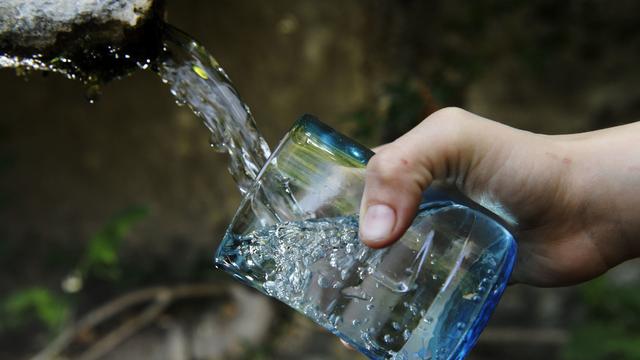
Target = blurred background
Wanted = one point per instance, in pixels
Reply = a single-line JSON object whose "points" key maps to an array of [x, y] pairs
{"points": [[110, 212]]}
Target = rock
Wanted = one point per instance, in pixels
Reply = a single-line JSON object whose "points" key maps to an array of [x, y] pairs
{"points": [[38, 23], [93, 41]]}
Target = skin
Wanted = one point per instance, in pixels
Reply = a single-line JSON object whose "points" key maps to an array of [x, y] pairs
{"points": [[573, 200]]}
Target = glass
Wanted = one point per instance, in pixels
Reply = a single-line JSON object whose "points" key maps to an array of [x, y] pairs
{"points": [[295, 237]]}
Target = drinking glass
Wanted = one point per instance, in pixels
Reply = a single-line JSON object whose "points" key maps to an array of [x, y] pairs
{"points": [[295, 237]]}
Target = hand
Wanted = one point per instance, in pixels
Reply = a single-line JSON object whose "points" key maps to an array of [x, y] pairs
{"points": [[573, 199]]}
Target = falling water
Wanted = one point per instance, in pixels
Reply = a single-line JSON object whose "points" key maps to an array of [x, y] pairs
{"points": [[197, 80]]}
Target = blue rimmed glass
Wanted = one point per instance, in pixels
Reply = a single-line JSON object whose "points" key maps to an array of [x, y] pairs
{"points": [[294, 237]]}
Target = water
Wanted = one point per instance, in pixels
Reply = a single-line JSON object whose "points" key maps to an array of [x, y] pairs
{"points": [[400, 302], [197, 80]]}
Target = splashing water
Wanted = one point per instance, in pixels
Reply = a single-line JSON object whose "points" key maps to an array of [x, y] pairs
{"points": [[197, 80], [402, 302]]}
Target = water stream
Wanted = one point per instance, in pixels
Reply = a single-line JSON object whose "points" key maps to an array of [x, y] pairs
{"points": [[197, 80]]}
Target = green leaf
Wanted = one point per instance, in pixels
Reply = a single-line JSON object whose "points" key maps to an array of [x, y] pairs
{"points": [[101, 257], [33, 303]]}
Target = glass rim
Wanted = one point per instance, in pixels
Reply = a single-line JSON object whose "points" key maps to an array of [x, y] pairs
{"points": [[314, 128]]}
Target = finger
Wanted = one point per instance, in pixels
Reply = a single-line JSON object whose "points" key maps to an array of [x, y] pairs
{"points": [[400, 171]]}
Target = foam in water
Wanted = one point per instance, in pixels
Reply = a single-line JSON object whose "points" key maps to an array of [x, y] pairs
{"points": [[383, 302]]}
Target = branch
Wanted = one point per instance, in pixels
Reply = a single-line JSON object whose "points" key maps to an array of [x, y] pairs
{"points": [[163, 297]]}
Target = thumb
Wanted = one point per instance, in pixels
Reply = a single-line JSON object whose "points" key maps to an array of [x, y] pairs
{"points": [[396, 176]]}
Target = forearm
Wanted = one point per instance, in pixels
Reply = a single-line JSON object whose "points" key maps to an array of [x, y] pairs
{"points": [[608, 174]]}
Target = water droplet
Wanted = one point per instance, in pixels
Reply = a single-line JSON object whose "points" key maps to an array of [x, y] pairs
{"points": [[435, 277], [428, 320], [356, 322], [387, 338], [461, 326], [93, 92], [396, 326], [406, 334], [370, 307]]}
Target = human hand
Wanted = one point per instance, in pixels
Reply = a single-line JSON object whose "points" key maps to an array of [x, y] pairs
{"points": [[572, 199]]}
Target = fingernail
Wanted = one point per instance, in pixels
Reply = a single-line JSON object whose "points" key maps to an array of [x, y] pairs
{"points": [[377, 223]]}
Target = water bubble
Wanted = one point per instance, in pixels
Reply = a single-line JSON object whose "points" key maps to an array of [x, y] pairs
{"points": [[387, 338], [396, 326], [349, 248], [435, 277], [269, 287], [362, 254], [370, 307], [334, 241], [344, 274], [324, 282], [461, 326], [356, 322], [413, 309], [362, 274]]}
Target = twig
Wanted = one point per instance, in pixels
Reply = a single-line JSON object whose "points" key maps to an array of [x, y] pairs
{"points": [[121, 303], [130, 327]]}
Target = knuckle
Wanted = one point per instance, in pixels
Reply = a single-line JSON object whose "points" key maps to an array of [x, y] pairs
{"points": [[449, 124], [449, 114], [387, 166]]}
